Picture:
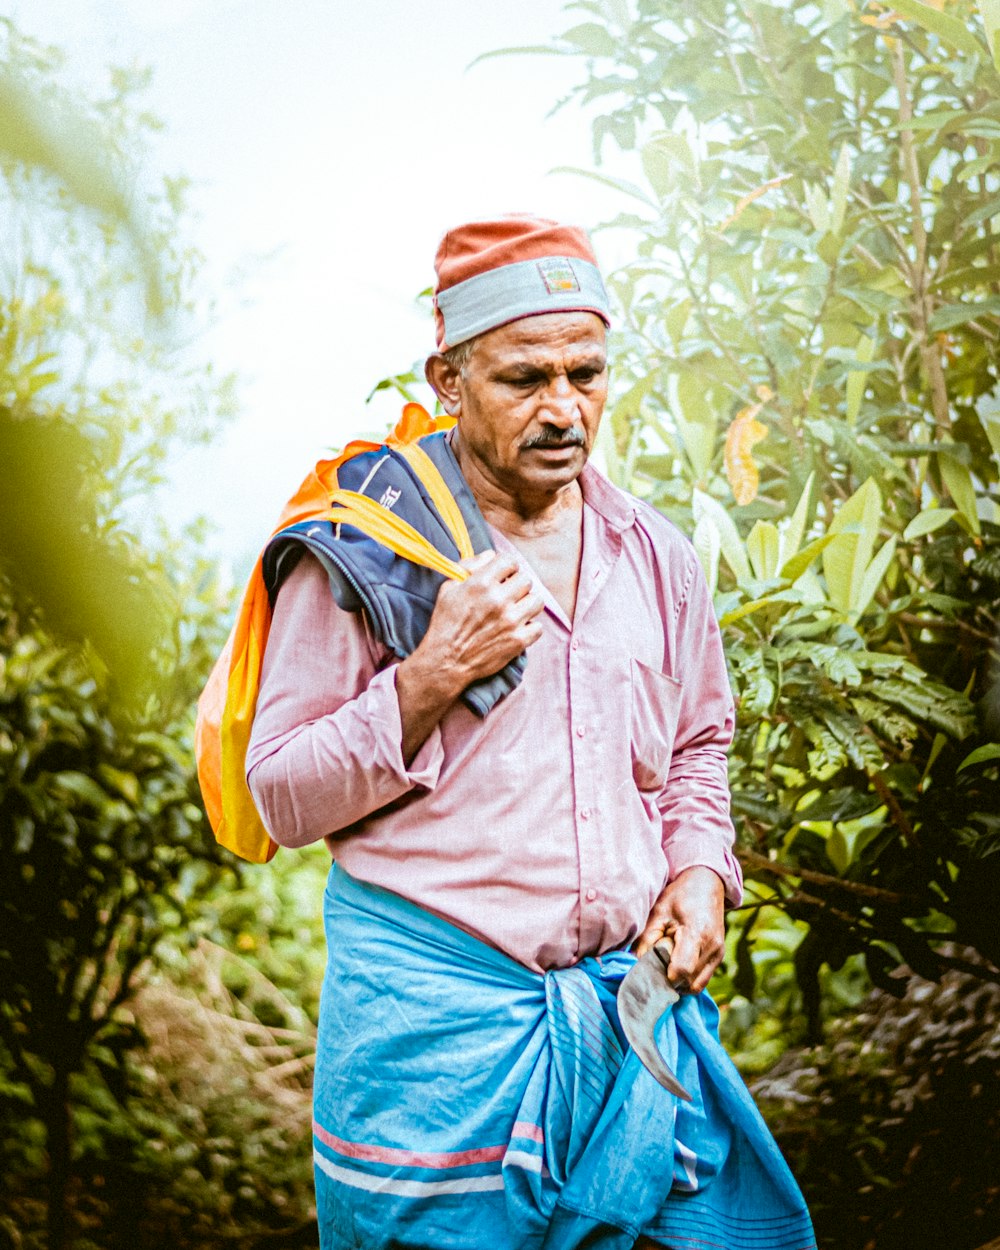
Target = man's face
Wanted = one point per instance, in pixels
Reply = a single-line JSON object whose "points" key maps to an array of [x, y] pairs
{"points": [[530, 400]]}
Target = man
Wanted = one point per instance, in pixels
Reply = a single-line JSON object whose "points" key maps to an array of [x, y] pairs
{"points": [[492, 872]]}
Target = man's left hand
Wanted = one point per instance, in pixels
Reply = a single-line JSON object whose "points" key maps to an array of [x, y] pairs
{"points": [[691, 912]]}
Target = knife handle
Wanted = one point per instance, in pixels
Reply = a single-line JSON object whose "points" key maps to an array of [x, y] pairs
{"points": [[664, 949]]}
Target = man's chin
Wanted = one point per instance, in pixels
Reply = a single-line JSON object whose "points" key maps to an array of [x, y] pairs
{"points": [[552, 467], [555, 458]]}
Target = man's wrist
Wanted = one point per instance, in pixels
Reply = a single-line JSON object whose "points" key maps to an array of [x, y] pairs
{"points": [[704, 873], [431, 680]]}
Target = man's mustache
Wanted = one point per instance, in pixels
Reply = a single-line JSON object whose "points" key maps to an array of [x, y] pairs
{"points": [[551, 436]]}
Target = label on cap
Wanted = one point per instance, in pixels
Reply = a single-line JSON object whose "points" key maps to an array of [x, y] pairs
{"points": [[558, 275]]}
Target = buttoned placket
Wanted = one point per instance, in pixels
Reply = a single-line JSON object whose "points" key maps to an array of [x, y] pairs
{"points": [[599, 555], [601, 548]]}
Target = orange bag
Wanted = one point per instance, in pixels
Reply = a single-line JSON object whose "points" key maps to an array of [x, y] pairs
{"points": [[227, 704]]}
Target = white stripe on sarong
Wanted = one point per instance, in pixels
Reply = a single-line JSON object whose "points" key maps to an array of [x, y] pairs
{"points": [[405, 1189], [689, 1160], [521, 1159]]}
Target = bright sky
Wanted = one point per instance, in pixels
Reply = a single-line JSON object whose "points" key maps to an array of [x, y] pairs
{"points": [[339, 140]]}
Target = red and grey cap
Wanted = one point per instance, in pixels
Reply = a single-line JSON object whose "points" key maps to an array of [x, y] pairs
{"points": [[492, 272]]}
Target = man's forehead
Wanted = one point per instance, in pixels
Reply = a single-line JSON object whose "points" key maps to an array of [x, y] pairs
{"points": [[538, 337]]}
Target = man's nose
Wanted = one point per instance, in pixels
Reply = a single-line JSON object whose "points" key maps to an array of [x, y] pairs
{"points": [[560, 403]]}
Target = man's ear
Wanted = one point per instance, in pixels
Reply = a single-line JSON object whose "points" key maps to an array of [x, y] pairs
{"points": [[444, 381]]}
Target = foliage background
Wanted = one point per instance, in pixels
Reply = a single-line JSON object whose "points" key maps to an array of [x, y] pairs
{"points": [[805, 380]]}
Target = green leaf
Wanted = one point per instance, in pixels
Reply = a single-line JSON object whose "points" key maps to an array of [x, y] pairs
{"points": [[958, 480], [857, 378], [817, 208], [762, 548], [972, 169], [943, 709], [707, 544], [989, 10], [951, 29], [677, 318], [838, 194], [729, 537], [530, 49], [127, 784], [834, 662], [838, 852], [990, 751], [796, 565], [82, 786], [873, 575], [926, 522], [846, 560], [791, 536], [592, 39], [939, 119], [696, 420], [950, 315], [662, 157], [984, 212], [617, 184], [745, 609], [827, 756], [988, 411]]}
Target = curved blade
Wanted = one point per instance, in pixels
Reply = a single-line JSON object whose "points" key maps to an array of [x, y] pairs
{"points": [[643, 996]]}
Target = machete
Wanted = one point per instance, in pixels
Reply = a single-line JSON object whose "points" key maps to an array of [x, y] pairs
{"points": [[643, 996]]}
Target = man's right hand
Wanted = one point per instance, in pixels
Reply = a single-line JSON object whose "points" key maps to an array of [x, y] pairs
{"points": [[477, 627], [481, 624]]}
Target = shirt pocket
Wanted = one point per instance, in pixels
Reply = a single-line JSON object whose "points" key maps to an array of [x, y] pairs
{"points": [[656, 704]]}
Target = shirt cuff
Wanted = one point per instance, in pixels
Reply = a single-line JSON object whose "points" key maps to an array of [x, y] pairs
{"points": [[722, 862], [425, 767]]}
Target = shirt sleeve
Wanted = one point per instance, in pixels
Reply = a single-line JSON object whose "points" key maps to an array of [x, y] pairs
{"points": [[326, 745], [694, 802]]}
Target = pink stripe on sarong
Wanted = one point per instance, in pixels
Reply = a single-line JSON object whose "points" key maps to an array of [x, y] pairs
{"points": [[523, 1129], [407, 1158]]}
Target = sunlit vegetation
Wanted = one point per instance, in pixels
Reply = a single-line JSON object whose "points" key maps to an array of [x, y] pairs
{"points": [[117, 1017], [805, 379]]}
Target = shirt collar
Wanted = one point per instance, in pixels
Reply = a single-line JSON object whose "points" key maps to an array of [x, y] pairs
{"points": [[605, 499]]}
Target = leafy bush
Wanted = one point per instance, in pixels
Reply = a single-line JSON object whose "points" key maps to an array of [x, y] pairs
{"points": [[807, 382], [892, 1124], [102, 642]]}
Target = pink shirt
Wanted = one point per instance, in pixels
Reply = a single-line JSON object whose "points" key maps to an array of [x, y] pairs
{"points": [[549, 828]]}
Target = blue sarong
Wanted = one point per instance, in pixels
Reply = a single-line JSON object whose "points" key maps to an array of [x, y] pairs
{"points": [[464, 1102]]}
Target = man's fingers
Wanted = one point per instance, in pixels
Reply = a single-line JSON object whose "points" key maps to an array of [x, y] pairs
{"points": [[696, 956], [518, 587], [479, 561], [686, 960], [648, 938], [531, 631], [491, 566]]}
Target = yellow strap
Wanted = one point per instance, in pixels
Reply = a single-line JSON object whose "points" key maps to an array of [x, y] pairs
{"points": [[441, 497], [391, 531]]}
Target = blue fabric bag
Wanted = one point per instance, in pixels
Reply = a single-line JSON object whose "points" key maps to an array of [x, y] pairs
{"points": [[396, 595], [464, 1102]]}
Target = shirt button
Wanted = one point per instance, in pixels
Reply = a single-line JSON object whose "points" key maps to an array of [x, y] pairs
{"points": [[580, 731], [574, 645], [584, 813], [591, 895]]}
